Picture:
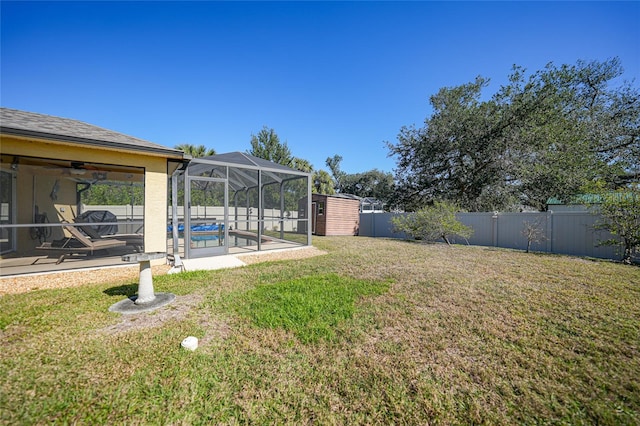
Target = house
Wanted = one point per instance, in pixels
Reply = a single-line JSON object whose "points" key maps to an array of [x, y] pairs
{"points": [[74, 195], [371, 205], [335, 214], [53, 170]]}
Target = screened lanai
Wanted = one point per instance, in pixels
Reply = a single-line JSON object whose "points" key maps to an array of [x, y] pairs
{"points": [[234, 203], [74, 195]]}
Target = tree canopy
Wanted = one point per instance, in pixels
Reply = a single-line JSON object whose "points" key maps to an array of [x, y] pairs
{"points": [[333, 163], [266, 144], [196, 151], [620, 212], [322, 183], [372, 183], [546, 135]]}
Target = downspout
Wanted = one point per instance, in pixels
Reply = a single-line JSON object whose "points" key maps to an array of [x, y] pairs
{"points": [[79, 192]]}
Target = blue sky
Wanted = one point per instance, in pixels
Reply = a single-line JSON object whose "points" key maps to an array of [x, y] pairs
{"points": [[328, 77]]}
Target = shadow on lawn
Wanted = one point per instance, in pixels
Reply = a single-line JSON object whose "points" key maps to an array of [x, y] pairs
{"points": [[127, 290]]}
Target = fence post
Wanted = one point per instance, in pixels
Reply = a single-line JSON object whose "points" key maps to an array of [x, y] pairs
{"points": [[494, 223], [549, 231]]}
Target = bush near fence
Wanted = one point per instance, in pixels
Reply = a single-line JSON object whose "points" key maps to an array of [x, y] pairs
{"points": [[571, 233]]}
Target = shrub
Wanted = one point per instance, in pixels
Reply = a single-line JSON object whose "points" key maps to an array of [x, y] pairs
{"points": [[432, 223], [620, 212]]}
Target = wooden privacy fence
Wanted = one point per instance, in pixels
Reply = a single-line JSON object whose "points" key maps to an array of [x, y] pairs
{"points": [[570, 233]]}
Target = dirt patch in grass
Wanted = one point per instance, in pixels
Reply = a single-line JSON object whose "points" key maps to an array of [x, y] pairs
{"points": [[177, 310]]}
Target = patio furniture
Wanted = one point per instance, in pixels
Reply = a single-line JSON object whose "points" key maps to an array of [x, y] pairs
{"points": [[78, 244], [134, 240]]}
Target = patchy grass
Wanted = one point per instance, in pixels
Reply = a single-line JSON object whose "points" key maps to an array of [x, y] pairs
{"points": [[420, 334], [310, 307]]}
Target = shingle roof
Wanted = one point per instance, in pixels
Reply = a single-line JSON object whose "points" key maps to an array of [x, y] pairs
{"points": [[30, 124]]}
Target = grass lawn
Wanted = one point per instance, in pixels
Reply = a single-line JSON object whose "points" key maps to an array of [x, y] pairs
{"points": [[375, 332]]}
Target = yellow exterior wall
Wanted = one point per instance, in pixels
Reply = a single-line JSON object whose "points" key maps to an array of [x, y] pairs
{"points": [[155, 184], [63, 208], [30, 187], [155, 207]]}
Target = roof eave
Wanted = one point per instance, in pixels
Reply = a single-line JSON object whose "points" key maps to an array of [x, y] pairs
{"points": [[170, 153]]}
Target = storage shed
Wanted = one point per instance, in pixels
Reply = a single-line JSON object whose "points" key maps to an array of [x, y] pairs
{"points": [[335, 214]]}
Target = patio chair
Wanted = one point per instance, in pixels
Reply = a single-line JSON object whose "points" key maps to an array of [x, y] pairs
{"points": [[134, 240], [78, 244]]}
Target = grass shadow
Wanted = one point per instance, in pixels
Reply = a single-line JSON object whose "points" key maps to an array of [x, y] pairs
{"points": [[127, 290]]}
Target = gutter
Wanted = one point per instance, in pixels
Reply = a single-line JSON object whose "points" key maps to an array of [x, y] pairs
{"points": [[168, 152]]}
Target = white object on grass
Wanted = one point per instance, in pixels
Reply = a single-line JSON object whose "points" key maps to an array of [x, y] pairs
{"points": [[190, 343]]}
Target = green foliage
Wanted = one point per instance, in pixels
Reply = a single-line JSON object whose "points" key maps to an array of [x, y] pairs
{"points": [[114, 194], [432, 223], [373, 183], [620, 211], [537, 137], [322, 183], [196, 151], [301, 164], [205, 193], [333, 163], [266, 144], [310, 307]]}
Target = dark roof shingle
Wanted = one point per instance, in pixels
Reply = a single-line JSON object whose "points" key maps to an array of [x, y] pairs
{"points": [[30, 124]]}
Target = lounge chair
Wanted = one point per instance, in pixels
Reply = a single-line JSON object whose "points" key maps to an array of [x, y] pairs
{"points": [[134, 240], [78, 244]]}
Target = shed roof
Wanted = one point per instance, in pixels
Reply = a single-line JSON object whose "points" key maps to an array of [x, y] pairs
{"points": [[30, 124]]}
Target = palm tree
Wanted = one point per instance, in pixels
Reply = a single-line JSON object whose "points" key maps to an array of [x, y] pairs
{"points": [[322, 183], [196, 151], [301, 164]]}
